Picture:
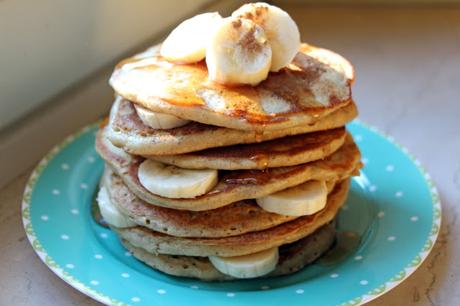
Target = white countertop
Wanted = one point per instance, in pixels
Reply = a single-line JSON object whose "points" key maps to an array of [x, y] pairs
{"points": [[407, 63]]}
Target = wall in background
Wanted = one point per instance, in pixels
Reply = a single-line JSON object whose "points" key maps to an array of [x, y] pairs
{"points": [[47, 45]]}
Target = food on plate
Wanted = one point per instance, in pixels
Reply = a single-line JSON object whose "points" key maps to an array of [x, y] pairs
{"points": [[226, 150]]}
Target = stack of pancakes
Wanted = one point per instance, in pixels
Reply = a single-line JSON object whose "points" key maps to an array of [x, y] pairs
{"points": [[285, 131]]}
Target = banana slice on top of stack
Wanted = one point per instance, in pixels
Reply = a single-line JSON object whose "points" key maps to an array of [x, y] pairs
{"points": [[240, 49], [226, 149]]}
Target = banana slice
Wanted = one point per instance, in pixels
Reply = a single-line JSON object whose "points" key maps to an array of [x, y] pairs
{"points": [[305, 199], [187, 42], [281, 30], [238, 53], [110, 212], [247, 266], [173, 182], [159, 120]]}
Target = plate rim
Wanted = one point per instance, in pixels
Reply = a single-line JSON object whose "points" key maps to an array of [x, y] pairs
{"points": [[422, 255], [31, 235], [372, 294]]}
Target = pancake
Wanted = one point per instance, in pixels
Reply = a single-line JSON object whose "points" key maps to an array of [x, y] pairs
{"points": [[316, 83], [234, 219], [293, 257], [155, 242], [234, 186], [127, 131], [287, 151]]}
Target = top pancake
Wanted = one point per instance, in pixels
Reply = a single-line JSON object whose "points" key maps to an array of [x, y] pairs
{"points": [[126, 130], [316, 83]]}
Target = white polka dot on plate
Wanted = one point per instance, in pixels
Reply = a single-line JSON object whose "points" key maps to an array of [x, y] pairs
{"points": [[359, 257], [91, 159], [44, 218], [230, 294], [161, 291], [365, 160], [103, 235], [128, 254], [391, 238], [363, 282], [299, 291], [414, 218], [399, 194], [94, 282], [83, 186], [65, 237], [56, 192], [74, 211], [381, 214], [265, 287], [98, 256], [135, 299], [372, 188], [70, 266], [194, 287], [390, 168], [358, 138], [125, 275], [65, 166], [334, 275]]}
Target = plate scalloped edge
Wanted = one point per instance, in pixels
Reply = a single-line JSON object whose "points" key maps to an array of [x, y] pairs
{"points": [[370, 295]]}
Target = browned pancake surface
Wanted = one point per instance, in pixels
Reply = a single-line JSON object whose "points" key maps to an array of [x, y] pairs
{"points": [[316, 83]]}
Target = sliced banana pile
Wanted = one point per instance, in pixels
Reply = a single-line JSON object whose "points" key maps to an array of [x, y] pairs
{"points": [[240, 49]]}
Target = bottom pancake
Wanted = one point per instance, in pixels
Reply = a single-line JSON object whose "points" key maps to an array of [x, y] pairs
{"points": [[293, 257]]}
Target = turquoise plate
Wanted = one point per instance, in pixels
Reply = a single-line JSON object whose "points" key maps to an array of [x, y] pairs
{"points": [[386, 229]]}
